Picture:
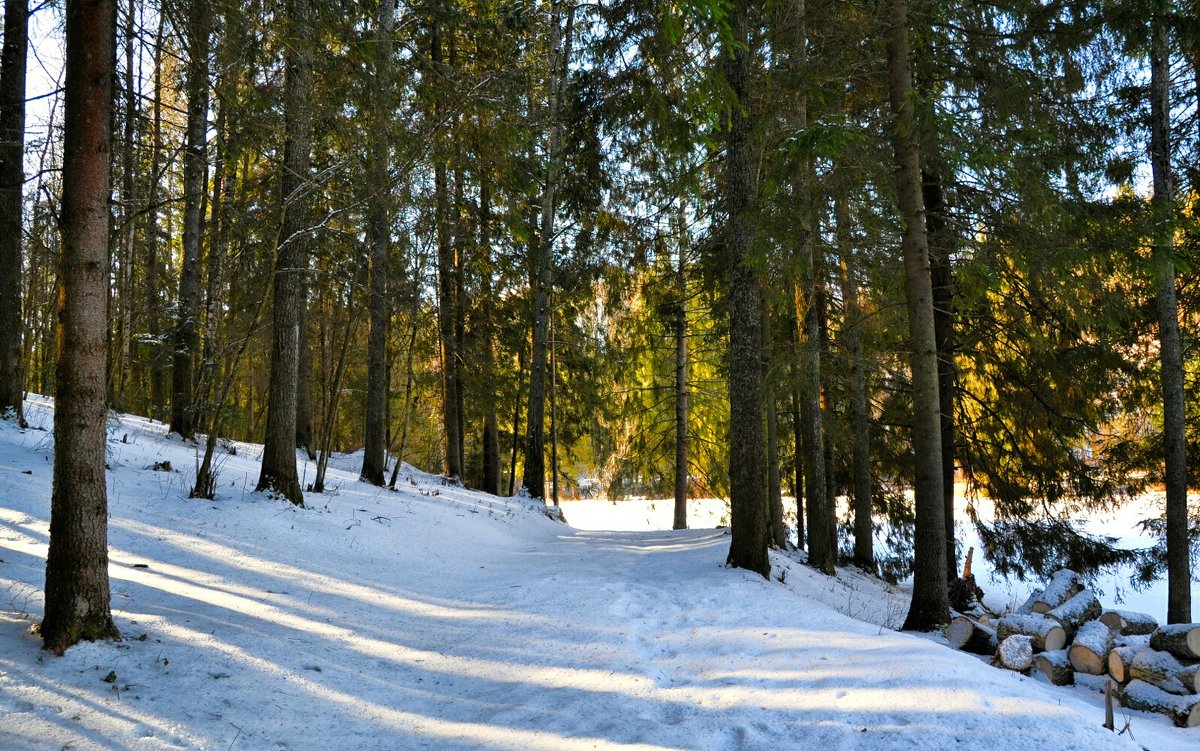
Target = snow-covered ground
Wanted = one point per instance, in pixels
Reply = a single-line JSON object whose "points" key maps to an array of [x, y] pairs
{"points": [[445, 619], [1113, 587]]}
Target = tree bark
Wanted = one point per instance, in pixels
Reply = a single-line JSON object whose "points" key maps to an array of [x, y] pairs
{"points": [[379, 240], [681, 394], [77, 588], [778, 528], [1179, 578], [930, 605], [747, 494], [12, 177], [195, 169], [445, 272], [942, 279], [278, 473], [123, 313], [798, 445]]}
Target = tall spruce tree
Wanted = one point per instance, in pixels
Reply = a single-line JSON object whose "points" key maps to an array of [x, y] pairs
{"points": [[12, 178], [278, 472], [930, 604], [77, 588], [747, 491]]}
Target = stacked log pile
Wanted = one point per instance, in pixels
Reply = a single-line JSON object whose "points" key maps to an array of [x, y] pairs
{"points": [[1062, 630]]}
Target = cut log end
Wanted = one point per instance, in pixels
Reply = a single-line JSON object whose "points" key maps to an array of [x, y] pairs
{"points": [[1016, 653], [1056, 666], [1085, 660]]}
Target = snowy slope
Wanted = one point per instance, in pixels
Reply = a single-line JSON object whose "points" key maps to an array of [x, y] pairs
{"points": [[445, 619]]}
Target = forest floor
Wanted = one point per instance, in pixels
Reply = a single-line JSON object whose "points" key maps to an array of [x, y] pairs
{"points": [[440, 618]]}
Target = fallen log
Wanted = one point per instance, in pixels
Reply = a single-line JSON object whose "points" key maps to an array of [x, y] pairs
{"points": [[1015, 653], [1180, 639], [1089, 651], [1027, 607], [1162, 669], [1062, 587], [970, 635], [1128, 623], [1056, 666], [1045, 633], [1082, 607], [1184, 711], [1124, 650]]}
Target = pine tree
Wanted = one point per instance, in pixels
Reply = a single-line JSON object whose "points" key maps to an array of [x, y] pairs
{"points": [[77, 588], [747, 492], [278, 473], [379, 239], [12, 177], [195, 171], [1179, 570], [930, 605]]}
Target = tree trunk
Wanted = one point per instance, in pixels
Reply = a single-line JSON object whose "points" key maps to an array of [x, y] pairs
{"points": [[408, 384], [123, 314], [774, 490], [445, 272], [864, 528], [195, 168], [379, 227], [77, 590], [681, 394], [158, 376], [1179, 579], [462, 239], [304, 391], [516, 421], [798, 447], [542, 262], [492, 470], [278, 472], [930, 605], [12, 177], [942, 279], [821, 554], [747, 496]]}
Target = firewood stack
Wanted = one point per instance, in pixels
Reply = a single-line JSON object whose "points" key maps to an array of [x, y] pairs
{"points": [[1062, 630]]}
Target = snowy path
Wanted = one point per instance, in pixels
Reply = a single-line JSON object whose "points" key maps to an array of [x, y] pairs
{"points": [[436, 618]]}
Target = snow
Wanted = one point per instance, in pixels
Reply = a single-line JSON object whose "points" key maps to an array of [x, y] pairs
{"points": [[440, 618], [1016, 652]]}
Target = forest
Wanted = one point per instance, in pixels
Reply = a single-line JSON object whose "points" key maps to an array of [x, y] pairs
{"points": [[778, 252]]}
